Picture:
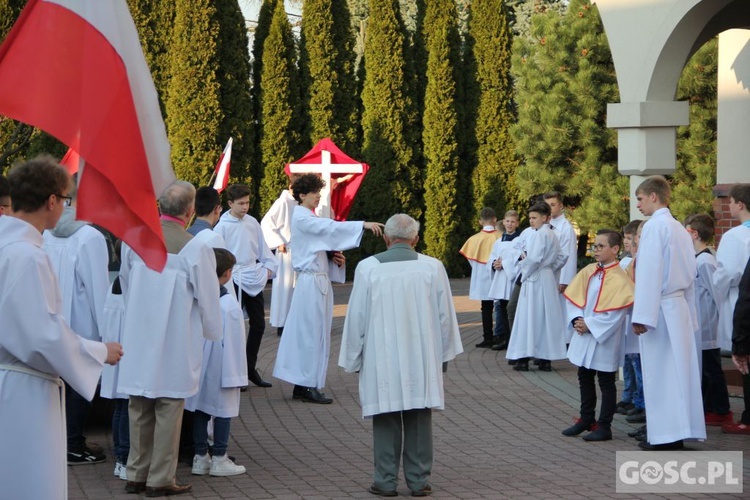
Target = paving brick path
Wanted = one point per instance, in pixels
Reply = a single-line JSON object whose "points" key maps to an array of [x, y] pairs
{"points": [[498, 438]]}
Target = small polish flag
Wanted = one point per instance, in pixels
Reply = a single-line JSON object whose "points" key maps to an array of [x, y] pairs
{"points": [[222, 168], [76, 70], [71, 161]]}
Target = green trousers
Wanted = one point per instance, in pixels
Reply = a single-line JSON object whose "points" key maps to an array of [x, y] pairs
{"points": [[407, 433]]}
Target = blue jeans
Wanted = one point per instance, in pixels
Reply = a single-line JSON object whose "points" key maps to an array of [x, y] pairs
{"points": [[121, 431], [200, 434], [633, 391], [502, 326]]}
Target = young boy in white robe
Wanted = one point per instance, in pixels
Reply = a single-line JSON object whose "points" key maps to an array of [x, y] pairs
{"points": [[277, 231], [598, 299], [502, 323], [477, 251], [536, 329], [664, 316], [731, 257], [716, 407], [222, 374], [305, 346]]}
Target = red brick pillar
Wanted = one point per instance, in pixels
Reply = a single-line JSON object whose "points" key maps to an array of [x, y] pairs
{"points": [[724, 220]]}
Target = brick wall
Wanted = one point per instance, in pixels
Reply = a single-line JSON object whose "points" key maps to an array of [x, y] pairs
{"points": [[723, 218]]}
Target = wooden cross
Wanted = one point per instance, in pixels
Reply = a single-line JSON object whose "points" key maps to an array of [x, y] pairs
{"points": [[325, 168]]}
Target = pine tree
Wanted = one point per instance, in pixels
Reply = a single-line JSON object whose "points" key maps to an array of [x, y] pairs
{"points": [[279, 100], [327, 61], [393, 183], [193, 105], [696, 143], [441, 149], [564, 79], [494, 175], [233, 76]]}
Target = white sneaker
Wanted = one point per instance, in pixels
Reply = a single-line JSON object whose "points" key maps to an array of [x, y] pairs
{"points": [[119, 466], [223, 466], [201, 464], [124, 472]]}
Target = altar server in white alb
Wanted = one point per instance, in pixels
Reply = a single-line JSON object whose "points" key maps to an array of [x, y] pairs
{"points": [[223, 372], [664, 316], [37, 346], [598, 300], [168, 315], [566, 235], [80, 258], [399, 332], [277, 231], [536, 329], [302, 358], [256, 264]]}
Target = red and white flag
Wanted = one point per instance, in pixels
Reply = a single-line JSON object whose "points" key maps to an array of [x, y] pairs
{"points": [[76, 70], [222, 168]]}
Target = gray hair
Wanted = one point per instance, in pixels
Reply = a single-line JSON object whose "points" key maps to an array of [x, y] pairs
{"points": [[177, 199], [401, 227]]}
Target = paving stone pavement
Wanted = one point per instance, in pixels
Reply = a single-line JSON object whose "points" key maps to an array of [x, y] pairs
{"points": [[499, 436]]}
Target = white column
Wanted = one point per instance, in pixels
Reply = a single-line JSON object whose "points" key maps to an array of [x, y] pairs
{"points": [[733, 142]]}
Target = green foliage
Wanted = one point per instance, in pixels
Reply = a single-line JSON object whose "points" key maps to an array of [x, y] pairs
{"points": [[440, 135], [564, 79], [279, 103], [193, 106], [394, 182], [327, 61], [233, 76], [696, 143], [520, 13], [493, 178]]}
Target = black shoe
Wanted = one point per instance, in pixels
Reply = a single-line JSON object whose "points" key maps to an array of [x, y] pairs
{"points": [[521, 366], [310, 395], [243, 388], [636, 416], [579, 427], [256, 379], [601, 433], [424, 492], [623, 407], [382, 493], [640, 437], [640, 431], [537, 361], [484, 344], [545, 366], [135, 487], [500, 347], [85, 457], [512, 362], [676, 445]]}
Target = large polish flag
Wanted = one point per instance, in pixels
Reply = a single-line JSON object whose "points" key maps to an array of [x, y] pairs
{"points": [[76, 70]]}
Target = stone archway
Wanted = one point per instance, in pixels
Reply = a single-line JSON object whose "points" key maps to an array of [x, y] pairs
{"points": [[651, 41]]}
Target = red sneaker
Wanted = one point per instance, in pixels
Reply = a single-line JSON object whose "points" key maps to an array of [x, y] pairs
{"points": [[736, 428], [719, 420]]}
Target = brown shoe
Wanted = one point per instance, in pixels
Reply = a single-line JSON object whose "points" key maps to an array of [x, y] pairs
{"points": [[382, 493], [167, 491], [424, 492], [135, 486]]}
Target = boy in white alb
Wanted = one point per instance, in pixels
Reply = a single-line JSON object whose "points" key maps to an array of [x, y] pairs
{"points": [[599, 298], [222, 374], [477, 251]]}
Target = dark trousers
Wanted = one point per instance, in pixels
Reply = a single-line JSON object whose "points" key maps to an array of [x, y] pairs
{"points": [[714, 386], [402, 433], [121, 431], [200, 434], [76, 413], [588, 395], [513, 305], [487, 307], [746, 390], [255, 309], [502, 326]]}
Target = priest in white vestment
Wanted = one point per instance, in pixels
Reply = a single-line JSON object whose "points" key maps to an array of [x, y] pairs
{"points": [[664, 316], [277, 231], [399, 332], [167, 317], [37, 346], [304, 349]]}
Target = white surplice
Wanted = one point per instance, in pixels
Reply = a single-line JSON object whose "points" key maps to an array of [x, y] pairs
{"points": [[35, 338], [224, 368], [302, 358], [630, 342], [537, 330], [665, 304], [111, 330], [566, 235], [277, 230], [400, 328], [167, 316], [705, 304], [503, 279], [602, 348], [81, 261], [731, 258], [244, 238]]}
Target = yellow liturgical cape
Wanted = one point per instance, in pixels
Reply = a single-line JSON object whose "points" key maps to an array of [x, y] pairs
{"points": [[616, 292], [479, 247]]}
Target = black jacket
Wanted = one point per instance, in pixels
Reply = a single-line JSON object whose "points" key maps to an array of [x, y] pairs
{"points": [[741, 320]]}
